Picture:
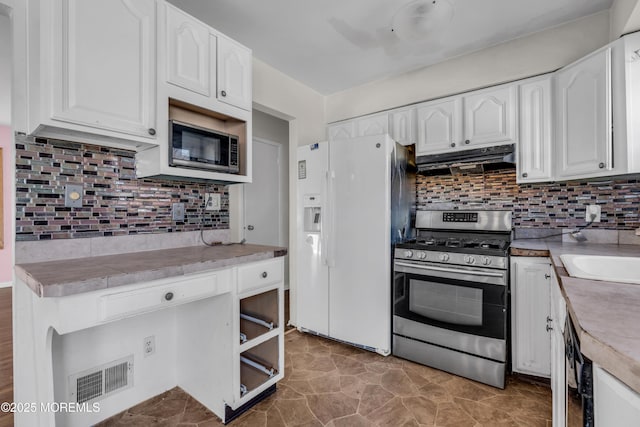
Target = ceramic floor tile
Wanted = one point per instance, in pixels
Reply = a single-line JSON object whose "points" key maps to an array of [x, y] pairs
{"points": [[328, 383]]}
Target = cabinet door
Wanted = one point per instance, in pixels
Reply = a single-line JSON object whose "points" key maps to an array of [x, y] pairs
{"points": [[490, 116], [558, 364], [439, 126], [342, 130], [234, 73], [530, 310], [583, 92], [534, 146], [104, 64], [614, 403], [188, 51], [377, 124], [402, 124]]}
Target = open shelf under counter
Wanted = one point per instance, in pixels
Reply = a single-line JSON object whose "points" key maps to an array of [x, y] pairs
{"points": [[259, 365], [259, 315]]}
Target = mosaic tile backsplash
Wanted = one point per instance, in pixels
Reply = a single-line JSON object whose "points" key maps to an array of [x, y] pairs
{"points": [[546, 205], [115, 202]]}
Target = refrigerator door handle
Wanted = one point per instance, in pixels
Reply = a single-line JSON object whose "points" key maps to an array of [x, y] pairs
{"points": [[330, 216], [324, 228]]}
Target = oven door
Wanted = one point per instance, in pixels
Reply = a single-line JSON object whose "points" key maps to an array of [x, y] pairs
{"points": [[460, 299]]}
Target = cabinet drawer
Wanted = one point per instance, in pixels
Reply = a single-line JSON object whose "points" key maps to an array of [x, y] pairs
{"points": [[163, 295], [260, 274]]}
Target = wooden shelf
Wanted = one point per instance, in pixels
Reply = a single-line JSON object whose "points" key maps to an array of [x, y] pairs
{"points": [[263, 306], [267, 355]]}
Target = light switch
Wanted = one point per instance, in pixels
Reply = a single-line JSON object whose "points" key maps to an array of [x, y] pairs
{"points": [[73, 196]]}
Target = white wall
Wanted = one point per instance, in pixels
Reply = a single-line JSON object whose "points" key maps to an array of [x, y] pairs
{"points": [[284, 97], [5, 70], [534, 54], [624, 17]]}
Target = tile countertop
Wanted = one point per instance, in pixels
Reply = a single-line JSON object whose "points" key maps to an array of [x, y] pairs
{"points": [[606, 314], [78, 275]]}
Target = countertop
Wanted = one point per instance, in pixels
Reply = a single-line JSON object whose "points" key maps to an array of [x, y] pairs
{"points": [[78, 275], [606, 314]]}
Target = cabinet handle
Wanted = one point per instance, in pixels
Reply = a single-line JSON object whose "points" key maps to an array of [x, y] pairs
{"points": [[601, 165], [547, 276], [152, 131], [524, 175], [223, 92], [549, 328], [168, 296], [467, 141], [264, 274], [549, 319], [453, 144]]}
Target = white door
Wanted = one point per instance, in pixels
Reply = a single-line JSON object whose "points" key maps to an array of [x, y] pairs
{"points": [[376, 124], [234, 73], [439, 126], [530, 305], [359, 242], [104, 74], [584, 117], [342, 130], [402, 123], [188, 52], [262, 196], [534, 147], [312, 286], [490, 116]]}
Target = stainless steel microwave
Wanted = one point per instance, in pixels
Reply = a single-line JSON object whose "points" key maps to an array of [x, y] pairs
{"points": [[200, 148]]}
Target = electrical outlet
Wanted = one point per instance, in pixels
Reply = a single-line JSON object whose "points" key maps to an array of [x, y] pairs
{"points": [[212, 202], [177, 211], [149, 345], [594, 211]]}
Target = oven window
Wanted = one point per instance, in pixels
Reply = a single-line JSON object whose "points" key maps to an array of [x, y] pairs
{"points": [[452, 304]]}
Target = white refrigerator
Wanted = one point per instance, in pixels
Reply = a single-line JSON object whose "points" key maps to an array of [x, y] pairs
{"points": [[355, 200]]}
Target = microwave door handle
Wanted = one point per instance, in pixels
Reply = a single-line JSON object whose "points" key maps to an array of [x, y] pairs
{"points": [[449, 270]]}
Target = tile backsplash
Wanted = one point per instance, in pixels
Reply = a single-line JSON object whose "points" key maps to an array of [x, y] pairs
{"points": [[545, 205], [115, 202]]}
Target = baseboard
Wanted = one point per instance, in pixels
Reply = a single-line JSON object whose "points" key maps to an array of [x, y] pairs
{"points": [[6, 284]]}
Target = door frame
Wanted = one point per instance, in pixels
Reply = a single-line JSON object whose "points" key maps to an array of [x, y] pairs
{"points": [[280, 190]]}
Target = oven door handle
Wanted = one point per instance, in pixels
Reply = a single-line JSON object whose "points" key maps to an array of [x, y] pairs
{"points": [[449, 270]]}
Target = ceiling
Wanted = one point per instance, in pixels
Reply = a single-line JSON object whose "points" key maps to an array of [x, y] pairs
{"points": [[333, 45]]}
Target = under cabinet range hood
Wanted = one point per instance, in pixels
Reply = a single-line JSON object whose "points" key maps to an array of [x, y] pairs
{"points": [[468, 161]]}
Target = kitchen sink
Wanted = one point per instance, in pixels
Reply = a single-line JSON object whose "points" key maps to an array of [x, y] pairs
{"points": [[609, 268]]}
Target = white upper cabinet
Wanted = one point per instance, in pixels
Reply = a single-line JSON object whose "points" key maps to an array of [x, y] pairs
{"points": [[531, 315], [583, 103], [189, 54], [402, 123], [490, 116], [439, 126], [534, 145], [234, 73], [375, 124], [102, 74], [341, 130]]}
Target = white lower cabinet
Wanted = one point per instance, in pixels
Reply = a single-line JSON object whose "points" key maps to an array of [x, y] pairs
{"points": [[558, 364], [259, 312], [531, 315], [614, 403]]}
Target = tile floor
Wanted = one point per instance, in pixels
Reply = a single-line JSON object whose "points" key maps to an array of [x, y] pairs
{"points": [[328, 383]]}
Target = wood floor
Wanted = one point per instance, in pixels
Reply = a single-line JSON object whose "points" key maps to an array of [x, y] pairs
{"points": [[6, 355]]}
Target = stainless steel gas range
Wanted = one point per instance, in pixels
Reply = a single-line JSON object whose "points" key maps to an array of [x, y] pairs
{"points": [[450, 303]]}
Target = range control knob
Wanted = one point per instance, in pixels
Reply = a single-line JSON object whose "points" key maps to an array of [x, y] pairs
{"points": [[408, 254], [444, 257], [469, 259], [422, 255], [485, 260]]}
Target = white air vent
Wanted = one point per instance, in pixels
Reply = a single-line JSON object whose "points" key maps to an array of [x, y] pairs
{"points": [[99, 382]]}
